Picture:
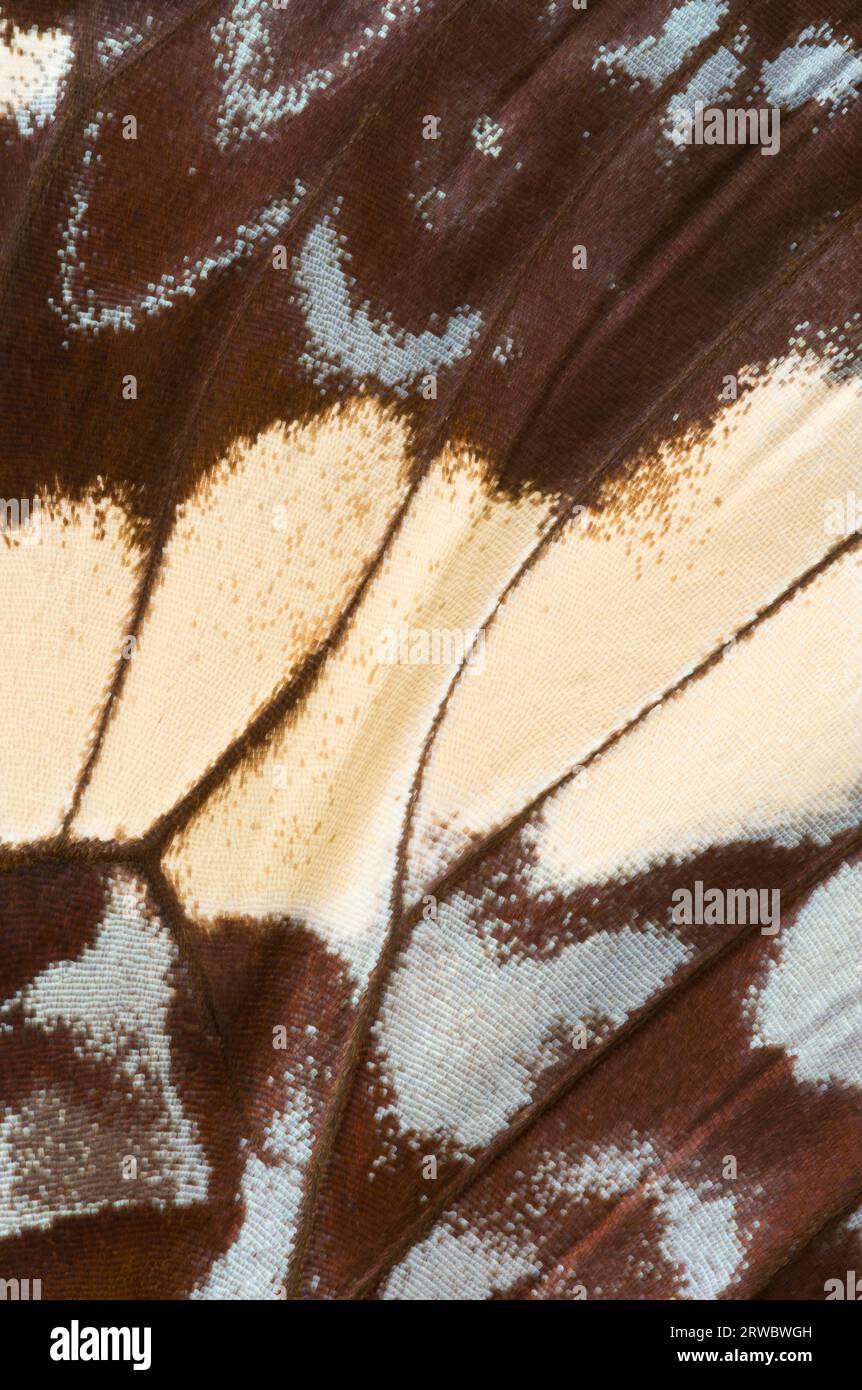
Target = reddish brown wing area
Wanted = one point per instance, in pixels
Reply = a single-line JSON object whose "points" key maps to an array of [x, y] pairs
{"points": [[429, 562]]}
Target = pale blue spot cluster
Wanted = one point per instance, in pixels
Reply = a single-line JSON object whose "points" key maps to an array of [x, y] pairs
{"points": [[112, 46], [344, 339], [654, 59], [829, 73], [817, 67], [505, 350], [713, 82], [424, 205], [77, 305], [252, 100], [487, 135]]}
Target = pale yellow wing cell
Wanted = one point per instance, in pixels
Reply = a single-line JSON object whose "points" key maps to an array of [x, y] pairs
{"points": [[69, 573], [636, 593], [260, 563], [311, 829], [762, 746]]}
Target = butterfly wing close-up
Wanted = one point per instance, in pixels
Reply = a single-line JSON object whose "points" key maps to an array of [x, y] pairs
{"points": [[431, 662]]}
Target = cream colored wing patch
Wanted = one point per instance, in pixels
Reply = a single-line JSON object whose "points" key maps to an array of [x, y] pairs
{"points": [[68, 577], [312, 827], [262, 559], [633, 596], [764, 746]]}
